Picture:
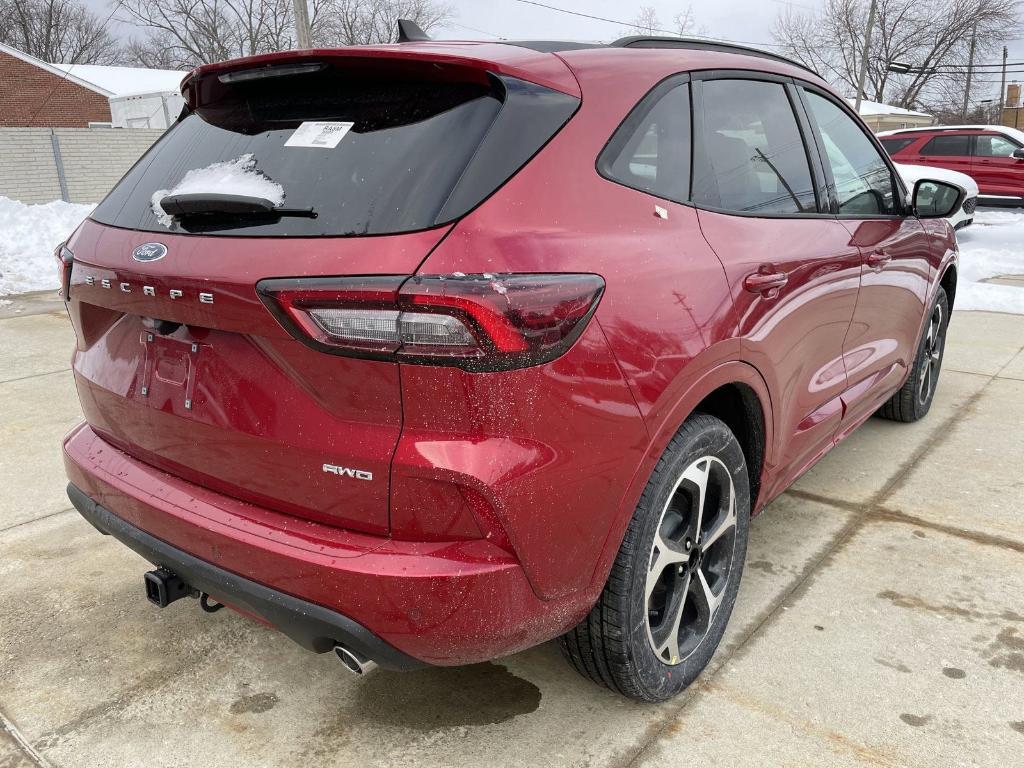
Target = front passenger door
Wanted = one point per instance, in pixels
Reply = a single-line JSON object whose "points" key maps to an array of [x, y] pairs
{"points": [[995, 168], [896, 268]]}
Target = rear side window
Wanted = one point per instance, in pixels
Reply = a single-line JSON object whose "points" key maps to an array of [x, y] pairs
{"points": [[895, 145], [947, 146], [651, 150], [991, 145], [406, 147], [753, 158], [861, 178]]}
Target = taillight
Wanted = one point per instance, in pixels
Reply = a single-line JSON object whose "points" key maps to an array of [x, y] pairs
{"points": [[66, 260], [479, 322]]}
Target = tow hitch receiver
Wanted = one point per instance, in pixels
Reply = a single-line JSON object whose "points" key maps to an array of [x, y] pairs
{"points": [[164, 587]]}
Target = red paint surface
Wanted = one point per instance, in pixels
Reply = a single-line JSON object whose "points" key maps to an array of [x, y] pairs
{"points": [[498, 500]]}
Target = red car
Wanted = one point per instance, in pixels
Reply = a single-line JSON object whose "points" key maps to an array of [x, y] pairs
{"points": [[428, 353], [993, 155]]}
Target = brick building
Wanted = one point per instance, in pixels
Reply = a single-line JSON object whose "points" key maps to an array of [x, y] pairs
{"points": [[37, 94]]}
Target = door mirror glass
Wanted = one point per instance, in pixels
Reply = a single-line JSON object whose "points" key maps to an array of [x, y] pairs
{"points": [[1019, 154], [936, 199]]}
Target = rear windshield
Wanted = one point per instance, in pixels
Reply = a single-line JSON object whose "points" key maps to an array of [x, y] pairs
{"points": [[353, 151]]}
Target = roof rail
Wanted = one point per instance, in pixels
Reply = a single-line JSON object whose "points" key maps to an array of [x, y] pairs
{"points": [[698, 44]]}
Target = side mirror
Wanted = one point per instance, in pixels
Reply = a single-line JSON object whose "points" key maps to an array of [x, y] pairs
{"points": [[1018, 154], [936, 199]]}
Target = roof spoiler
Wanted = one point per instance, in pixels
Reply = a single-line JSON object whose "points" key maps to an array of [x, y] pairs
{"points": [[410, 32]]}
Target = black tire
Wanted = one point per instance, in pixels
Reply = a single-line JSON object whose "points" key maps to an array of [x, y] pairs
{"points": [[914, 399], [615, 644]]}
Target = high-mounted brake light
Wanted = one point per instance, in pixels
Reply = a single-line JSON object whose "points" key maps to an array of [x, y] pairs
{"points": [[273, 70], [480, 322]]}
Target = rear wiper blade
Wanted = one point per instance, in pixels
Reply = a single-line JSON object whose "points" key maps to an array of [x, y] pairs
{"points": [[212, 203]]}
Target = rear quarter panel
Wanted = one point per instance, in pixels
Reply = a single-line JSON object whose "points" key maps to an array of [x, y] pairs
{"points": [[666, 309]]}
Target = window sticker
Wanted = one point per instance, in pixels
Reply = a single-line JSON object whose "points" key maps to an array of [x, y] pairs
{"points": [[317, 134]]}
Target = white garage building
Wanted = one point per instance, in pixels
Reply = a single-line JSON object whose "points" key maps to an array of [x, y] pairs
{"points": [[139, 98]]}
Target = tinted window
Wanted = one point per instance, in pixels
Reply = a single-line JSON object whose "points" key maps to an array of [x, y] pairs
{"points": [[991, 145], [753, 158], [651, 151], [895, 145], [418, 148], [863, 181], [948, 146]]}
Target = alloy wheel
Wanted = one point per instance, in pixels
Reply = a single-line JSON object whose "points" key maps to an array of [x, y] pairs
{"points": [[932, 353], [691, 560]]}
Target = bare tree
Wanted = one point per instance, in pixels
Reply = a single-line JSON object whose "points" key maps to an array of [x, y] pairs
{"points": [[184, 33], [60, 31], [932, 36], [365, 22], [647, 23]]}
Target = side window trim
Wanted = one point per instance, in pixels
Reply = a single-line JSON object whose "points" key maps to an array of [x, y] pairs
{"points": [[813, 160], [805, 88], [824, 185], [625, 130]]}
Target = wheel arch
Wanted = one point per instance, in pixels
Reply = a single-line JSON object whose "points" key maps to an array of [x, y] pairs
{"points": [[732, 391], [948, 283], [738, 406]]}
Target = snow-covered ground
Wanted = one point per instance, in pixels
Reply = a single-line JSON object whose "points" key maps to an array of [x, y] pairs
{"points": [[28, 235], [993, 246]]}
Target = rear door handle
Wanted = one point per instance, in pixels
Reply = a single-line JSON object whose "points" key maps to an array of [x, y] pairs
{"points": [[763, 282], [878, 259]]}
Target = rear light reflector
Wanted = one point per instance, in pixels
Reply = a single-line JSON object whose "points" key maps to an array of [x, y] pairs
{"points": [[66, 261], [478, 322]]}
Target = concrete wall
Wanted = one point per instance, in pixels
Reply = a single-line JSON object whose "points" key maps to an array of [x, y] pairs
{"points": [[93, 160]]}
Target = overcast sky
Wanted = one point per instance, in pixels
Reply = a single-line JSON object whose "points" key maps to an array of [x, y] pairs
{"points": [[748, 21]]}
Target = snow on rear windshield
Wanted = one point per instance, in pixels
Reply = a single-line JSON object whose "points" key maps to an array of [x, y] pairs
{"points": [[230, 177]]}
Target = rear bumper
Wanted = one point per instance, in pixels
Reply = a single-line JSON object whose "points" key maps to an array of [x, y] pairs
{"points": [[399, 603], [312, 626]]}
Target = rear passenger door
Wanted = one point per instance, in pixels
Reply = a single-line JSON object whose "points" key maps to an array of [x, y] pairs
{"points": [[995, 168], [793, 273], [947, 150], [897, 253]]}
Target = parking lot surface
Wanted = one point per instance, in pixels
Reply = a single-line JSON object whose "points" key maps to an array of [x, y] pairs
{"points": [[880, 620]]}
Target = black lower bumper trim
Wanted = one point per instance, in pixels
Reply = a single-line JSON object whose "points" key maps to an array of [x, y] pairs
{"points": [[312, 626]]}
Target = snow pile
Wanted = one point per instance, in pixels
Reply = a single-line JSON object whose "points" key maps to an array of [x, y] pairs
{"points": [[230, 177], [993, 245], [28, 235]]}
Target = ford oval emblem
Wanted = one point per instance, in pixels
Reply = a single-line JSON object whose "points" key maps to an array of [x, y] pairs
{"points": [[149, 252]]}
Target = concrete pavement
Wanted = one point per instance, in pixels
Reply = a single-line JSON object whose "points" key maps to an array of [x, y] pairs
{"points": [[880, 620]]}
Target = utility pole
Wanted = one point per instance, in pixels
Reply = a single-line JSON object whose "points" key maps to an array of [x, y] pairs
{"points": [[1002, 88], [301, 23], [970, 74], [864, 58]]}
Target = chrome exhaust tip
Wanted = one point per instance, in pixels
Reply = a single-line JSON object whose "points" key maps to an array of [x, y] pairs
{"points": [[353, 662]]}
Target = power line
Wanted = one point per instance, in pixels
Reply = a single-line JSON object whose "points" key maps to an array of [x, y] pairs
{"points": [[474, 29], [619, 22]]}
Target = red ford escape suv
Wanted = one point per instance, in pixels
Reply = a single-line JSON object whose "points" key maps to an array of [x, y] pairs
{"points": [[993, 155], [427, 353]]}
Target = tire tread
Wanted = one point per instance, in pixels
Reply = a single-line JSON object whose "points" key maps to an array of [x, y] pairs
{"points": [[598, 646]]}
